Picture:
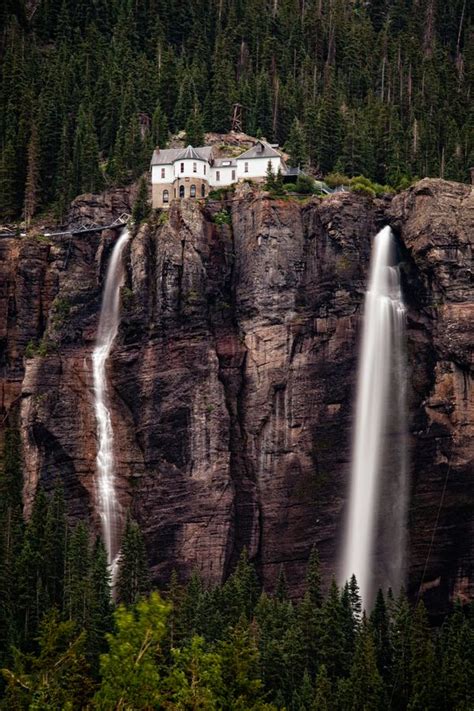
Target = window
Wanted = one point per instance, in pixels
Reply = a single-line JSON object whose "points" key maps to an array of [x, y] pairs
{"points": [[192, 191], [246, 167], [218, 175], [182, 167], [233, 175], [203, 190], [181, 191], [166, 197], [195, 168], [163, 173], [204, 169]]}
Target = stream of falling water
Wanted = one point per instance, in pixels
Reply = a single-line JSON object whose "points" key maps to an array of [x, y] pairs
{"points": [[108, 505], [374, 549]]}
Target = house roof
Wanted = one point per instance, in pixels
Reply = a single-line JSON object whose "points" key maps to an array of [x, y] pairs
{"points": [[261, 149], [168, 156], [225, 163]]}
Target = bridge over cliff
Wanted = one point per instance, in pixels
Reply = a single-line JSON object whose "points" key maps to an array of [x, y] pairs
{"points": [[84, 228]]}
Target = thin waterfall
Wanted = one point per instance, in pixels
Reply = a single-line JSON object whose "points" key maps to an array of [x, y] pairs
{"points": [[374, 549], [108, 504]]}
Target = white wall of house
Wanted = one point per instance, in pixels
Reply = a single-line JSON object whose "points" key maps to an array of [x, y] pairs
{"points": [[222, 175], [257, 167], [191, 168], [156, 172]]}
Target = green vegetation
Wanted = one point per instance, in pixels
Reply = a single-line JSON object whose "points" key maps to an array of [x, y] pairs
{"points": [[60, 310], [88, 89], [230, 647], [141, 208], [222, 217], [35, 348]]}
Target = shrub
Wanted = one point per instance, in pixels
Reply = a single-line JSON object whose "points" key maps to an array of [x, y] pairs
{"points": [[163, 217], [222, 218], [34, 349], [290, 187], [60, 310], [217, 194], [335, 180], [305, 184], [361, 180], [362, 188]]}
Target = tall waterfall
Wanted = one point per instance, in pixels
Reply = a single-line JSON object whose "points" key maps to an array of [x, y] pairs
{"points": [[375, 535], [108, 505]]}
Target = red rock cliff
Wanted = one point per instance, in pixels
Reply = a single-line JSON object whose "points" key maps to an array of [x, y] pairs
{"points": [[233, 376]]}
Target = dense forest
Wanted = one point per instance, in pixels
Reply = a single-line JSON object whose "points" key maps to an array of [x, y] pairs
{"points": [[381, 88], [65, 645]]}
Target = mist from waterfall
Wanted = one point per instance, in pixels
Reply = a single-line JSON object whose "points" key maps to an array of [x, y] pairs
{"points": [[375, 538], [107, 502]]}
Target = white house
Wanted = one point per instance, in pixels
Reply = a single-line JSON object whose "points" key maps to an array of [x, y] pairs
{"points": [[192, 172]]}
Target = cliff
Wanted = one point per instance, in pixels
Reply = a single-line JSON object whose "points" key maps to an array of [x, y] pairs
{"points": [[233, 376]]}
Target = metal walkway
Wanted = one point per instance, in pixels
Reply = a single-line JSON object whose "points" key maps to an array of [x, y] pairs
{"points": [[85, 228]]}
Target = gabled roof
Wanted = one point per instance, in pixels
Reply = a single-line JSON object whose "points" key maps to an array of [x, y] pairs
{"points": [[168, 156], [261, 149]]}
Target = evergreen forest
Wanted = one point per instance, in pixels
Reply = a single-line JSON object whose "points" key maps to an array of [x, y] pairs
{"points": [[381, 88], [64, 644]]}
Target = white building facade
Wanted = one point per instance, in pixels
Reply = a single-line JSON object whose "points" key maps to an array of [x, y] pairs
{"points": [[178, 173]]}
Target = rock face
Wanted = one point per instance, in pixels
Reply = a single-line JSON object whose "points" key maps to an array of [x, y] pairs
{"points": [[233, 375]]}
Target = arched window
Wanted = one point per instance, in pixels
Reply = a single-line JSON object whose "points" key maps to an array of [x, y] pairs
{"points": [[203, 190], [166, 197], [181, 191], [192, 191]]}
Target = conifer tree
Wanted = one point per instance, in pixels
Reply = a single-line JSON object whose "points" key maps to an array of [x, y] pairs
{"points": [[313, 578], [423, 668], [100, 621], [32, 176], [270, 177], [296, 146], [133, 575], [141, 208], [8, 191], [194, 127], [323, 698]]}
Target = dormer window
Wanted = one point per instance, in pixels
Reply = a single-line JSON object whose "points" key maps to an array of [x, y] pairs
{"points": [[182, 167], [195, 168]]}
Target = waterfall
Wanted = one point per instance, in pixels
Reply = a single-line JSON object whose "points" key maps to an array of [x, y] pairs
{"points": [[108, 505], [374, 548]]}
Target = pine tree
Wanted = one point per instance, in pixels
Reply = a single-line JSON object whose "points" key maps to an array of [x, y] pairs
{"points": [[77, 584], [100, 621], [133, 575], [423, 668], [323, 698], [366, 686], [313, 578], [86, 172], [141, 208], [8, 189], [194, 127], [32, 185], [296, 146], [270, 179]]}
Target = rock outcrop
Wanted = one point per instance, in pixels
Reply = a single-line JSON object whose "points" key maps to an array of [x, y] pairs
{"points": [[233, 376]]}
